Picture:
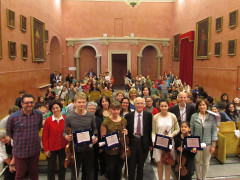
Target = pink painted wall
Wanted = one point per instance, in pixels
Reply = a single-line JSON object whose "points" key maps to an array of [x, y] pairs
{"points": [[20, 74], [218, 74], [92, 19]]}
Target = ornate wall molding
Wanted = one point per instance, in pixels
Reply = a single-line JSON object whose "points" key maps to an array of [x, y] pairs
{"points": [[107, 40], [145, 1]]}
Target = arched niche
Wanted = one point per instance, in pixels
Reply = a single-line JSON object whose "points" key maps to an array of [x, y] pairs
{"points": [[55, 55]]}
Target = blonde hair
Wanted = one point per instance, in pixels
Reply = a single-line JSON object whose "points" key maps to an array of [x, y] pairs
{"points": [[80, 95], [132, 90]]}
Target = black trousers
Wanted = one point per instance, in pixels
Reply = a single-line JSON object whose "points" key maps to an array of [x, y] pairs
{"points": [[137, 159], [52, 164], [86, 159], [114, 165]]}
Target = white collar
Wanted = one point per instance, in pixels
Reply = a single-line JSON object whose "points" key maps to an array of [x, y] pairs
{"points": [[136, 113], [54, 119]]}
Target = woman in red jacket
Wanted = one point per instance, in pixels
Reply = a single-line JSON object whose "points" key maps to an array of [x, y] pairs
{"points": [[53, 141]]}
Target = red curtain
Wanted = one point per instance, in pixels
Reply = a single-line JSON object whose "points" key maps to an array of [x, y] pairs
{"points": [[186, 57]]}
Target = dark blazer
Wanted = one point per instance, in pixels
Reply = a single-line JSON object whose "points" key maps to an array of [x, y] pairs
{"points": [[189, 111], [147, 128]]}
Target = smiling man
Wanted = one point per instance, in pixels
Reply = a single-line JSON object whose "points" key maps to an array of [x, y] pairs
{"points": [[139, 126], [23, 127]]}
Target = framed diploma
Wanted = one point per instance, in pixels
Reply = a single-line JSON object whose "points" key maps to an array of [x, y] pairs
{"points": [[191, 142], [82, 137], [163, 142], [111, 140]]}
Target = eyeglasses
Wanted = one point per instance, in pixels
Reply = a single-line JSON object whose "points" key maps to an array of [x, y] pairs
{"points": [[30, 102]]}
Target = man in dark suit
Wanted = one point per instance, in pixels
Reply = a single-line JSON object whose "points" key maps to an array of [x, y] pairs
{"points": [[182, 110], [139, 126]]}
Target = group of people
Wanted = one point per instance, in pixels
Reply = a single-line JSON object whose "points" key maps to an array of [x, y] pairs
{"points": [[140, 114]]}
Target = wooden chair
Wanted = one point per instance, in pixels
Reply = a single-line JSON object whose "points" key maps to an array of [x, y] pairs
{"points": [[107, 93], [227, 143], [94, 95]]}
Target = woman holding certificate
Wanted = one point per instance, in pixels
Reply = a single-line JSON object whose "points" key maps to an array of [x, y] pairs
{"points": [[204, 125], [164, 123], [114, 123]]}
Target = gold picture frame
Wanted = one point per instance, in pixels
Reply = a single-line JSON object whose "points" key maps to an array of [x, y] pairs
{"points": [[232, 47], [38, 40], [233, 19], [176, 47], [203, 32], [218, 49], [46, 35], [219, 24], [23, 23], [10, 19], [24, 51], [12, 51]]}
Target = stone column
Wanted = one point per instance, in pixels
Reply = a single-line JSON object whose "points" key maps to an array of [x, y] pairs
{"points": [[139, 64], [159, 65], [98, 65], [77, 58]]}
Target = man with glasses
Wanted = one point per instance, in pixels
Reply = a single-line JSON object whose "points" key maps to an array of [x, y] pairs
{"points": [[23, 127]]}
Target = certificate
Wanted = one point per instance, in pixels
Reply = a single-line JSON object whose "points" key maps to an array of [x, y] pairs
{"points": [[162, 142], [82, 137], [191, 142], [112, 140]]}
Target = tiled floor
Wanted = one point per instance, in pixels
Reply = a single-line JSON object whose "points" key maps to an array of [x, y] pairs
{"points": [[217, 171]]}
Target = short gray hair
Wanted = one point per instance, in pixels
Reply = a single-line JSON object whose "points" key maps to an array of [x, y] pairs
{"points": [[92, 104], [134, 101], [3, 133]]}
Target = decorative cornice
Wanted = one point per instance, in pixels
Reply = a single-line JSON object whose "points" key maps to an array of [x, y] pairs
{"points": [[70, 43], [145, 1], [107, 40]]}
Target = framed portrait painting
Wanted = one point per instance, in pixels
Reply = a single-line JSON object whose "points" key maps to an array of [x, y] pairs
{"points": [[10, 19], [38, 40], [12, 49], [232, 47], [176, 47], [233, 17], [46, 35], [24, 51], [219, 23], [203, 31], [23, 23], [218, 49]]}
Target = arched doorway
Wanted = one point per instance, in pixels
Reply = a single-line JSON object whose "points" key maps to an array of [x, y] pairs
{"points": [[55, 55], [149, 62], [88, 60]]}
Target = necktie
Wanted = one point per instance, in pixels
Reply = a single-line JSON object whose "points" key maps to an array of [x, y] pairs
{"points": [[138, 132]]}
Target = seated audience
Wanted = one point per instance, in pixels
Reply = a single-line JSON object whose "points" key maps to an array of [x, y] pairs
{"points": [[232, 112], [224, 116], [223, 102]]}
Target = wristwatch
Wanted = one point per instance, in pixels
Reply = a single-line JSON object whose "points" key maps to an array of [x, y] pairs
{"points": [[12, 165]]}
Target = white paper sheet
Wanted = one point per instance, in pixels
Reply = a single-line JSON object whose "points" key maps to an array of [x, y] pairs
{"points": [[192, 142], [112, 140], [83, 137], [161, 141]]}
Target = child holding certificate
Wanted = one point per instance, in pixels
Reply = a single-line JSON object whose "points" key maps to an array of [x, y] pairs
{"points": [[114, 123], [164, 123], [186, 156]]}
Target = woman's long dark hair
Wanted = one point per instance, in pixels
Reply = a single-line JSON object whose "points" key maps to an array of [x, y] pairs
{"points": [[227, 111], [128, 105]]}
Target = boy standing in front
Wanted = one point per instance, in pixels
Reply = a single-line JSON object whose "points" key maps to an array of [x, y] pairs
{"points": [[81, 119]]}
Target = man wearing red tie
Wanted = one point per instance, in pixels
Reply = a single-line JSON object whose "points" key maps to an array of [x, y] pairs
{"points": [[139, 126]]}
